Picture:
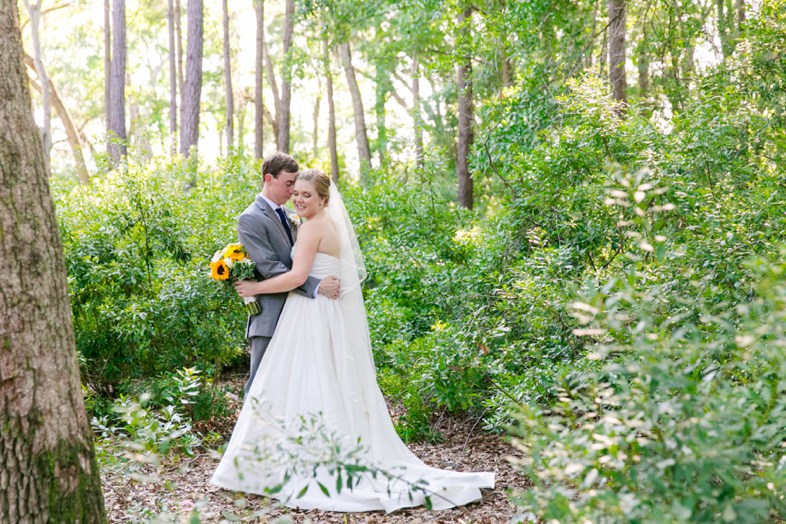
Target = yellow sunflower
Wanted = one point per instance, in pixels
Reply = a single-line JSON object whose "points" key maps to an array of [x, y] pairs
{"points": [[219, 270], [235, 252]]}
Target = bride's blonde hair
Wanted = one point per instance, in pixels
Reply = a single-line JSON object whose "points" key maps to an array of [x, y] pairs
{"points": [[320, 180]]}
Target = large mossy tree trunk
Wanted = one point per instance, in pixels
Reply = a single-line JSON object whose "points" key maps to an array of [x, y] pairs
{"points": [[48, 471]]}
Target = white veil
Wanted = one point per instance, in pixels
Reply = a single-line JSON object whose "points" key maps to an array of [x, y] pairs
{"points": [[352, 273]]}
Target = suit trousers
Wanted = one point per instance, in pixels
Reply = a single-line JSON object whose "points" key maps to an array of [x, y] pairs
{"points": [[258, 347]]}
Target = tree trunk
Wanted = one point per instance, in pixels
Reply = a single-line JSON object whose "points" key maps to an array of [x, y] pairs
{"points": [[331, 114], [46, 128], [283, 112], [276, 99], [364, 151], [107, 70], [74, 140], [240, 149], [417, 119], [740, 15], [465, 135], [189, 120], [723, 30], [382, 88], [643, 65], [259, 101], [505, 66], [228, 81], [181, 83], [617, 20], [47, 461], [315, 135], [117, 99], [172, 77]]}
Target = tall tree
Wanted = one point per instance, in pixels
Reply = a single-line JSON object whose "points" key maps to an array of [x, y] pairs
{"points": [[617, 21], [117, 93], [276, 97], [230, 115], [416, 117], [315, 134], [465, 109], [181, 83], [283, 112], [331, 113], [259, 101], [172, 77], [361, 137], [46, 128], [47, 459], [189, 120], [107, 68], [74, 139], [383, 87]]}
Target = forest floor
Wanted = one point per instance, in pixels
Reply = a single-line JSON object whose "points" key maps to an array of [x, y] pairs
{"points": [[178, 489]]}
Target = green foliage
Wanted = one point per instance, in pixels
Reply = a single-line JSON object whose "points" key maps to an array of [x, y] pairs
{"points": [[137, 246], [690, 413]]}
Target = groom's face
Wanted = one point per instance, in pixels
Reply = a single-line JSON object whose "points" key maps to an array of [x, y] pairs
{"points": [[281, 188]]}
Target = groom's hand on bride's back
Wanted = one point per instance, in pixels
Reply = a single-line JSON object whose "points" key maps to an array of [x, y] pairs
{"points": [[330, 287]]}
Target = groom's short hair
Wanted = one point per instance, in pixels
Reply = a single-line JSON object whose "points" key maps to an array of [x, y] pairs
{"points": [[277, 162]]}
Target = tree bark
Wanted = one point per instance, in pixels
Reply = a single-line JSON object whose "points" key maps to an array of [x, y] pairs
{"points": [[617, 20], [181, 83], [172, 77], [740, 15], [117, 102], [723, 29], [331, 115], [364, 151], [74, 139], [189, 120], [47, 461], [107, 69], [228, 82], [283, 112], [259, 100], [46, 127], [465, 134], [271, 76], [315, 135], [416, 117]]}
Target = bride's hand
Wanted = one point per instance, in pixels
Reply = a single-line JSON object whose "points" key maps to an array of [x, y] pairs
{"points": [[245, 288]]}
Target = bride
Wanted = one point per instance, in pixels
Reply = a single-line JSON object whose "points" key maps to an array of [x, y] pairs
{"points": [[319, 368]]}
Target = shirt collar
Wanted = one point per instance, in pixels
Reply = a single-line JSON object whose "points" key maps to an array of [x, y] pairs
{"points": [[272, 204]]}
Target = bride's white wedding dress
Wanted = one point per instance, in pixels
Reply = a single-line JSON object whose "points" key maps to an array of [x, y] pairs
{"points": [[319, 366]]}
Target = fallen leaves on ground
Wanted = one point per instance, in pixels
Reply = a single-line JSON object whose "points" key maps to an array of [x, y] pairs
{"points": [[179, 489]]}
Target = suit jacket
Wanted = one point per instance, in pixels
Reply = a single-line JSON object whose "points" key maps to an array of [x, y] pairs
{"points": [[265, 240]]}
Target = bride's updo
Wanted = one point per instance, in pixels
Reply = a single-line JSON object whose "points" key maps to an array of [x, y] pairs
{"points": [[320, 180]]}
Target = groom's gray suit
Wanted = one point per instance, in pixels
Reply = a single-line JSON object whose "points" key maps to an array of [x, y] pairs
{"points": [[267, 244]]}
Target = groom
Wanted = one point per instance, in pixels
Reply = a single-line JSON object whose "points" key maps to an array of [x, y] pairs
{"points": [[268, 233]]}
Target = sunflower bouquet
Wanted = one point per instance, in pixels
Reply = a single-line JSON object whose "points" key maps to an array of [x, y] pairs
{"points": [[231, 265]]}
